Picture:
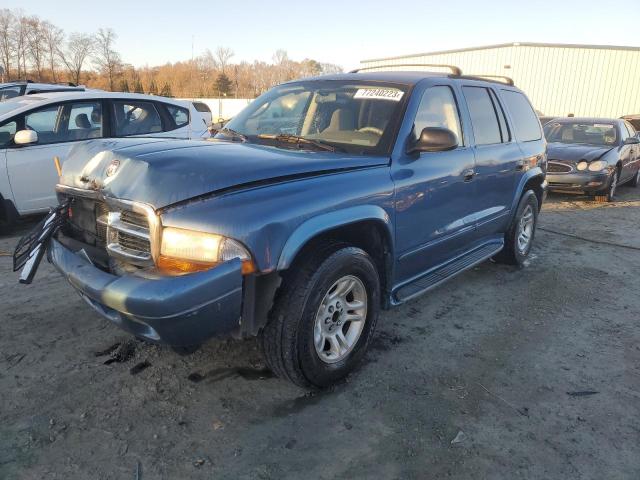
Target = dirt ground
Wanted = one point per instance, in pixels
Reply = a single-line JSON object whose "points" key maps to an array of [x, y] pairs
{"points": [[538, 368]]}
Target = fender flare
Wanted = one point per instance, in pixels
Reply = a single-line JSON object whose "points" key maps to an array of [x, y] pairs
{"points": [[530, 174], [319, 224]]}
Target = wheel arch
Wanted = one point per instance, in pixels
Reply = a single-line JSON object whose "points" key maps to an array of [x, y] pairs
{"points": [[367, 227]]}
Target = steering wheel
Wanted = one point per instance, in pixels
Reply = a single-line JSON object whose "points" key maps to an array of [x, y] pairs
{"points": [[375, 130]]}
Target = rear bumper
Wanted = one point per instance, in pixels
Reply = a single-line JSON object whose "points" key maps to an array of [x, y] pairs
{"points": [[579, 182], [180, 310]]}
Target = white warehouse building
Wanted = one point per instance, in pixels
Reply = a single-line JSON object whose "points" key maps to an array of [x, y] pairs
{"points": [[584, 80]]}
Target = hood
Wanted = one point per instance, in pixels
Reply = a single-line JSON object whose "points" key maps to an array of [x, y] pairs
{"points": [[163, 172], [573, 153]]}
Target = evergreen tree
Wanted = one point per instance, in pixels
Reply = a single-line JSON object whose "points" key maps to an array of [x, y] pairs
{"points": [[223, 85], [124, 86], [166, 90], [153, 88], [138, 87]]}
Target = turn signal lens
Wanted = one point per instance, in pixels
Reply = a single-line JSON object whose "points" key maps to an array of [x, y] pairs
{"points": [[582, 165], [178, 266], [597, 166]]}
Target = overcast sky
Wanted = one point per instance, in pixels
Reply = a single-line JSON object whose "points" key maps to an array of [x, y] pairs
{"points": [[342, 32]]}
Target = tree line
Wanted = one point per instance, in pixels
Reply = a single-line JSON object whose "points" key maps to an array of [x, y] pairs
{"points": [[36, 49]]}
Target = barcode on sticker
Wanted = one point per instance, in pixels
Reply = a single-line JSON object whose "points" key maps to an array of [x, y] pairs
{"points": [[380, 94]]}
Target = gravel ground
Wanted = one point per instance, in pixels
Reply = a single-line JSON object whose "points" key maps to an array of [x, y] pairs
{"points": [[539, 368]]}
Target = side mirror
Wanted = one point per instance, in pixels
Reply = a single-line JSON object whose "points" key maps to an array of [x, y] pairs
{"points": [[628, 141], [25, 137], [434, 139]]}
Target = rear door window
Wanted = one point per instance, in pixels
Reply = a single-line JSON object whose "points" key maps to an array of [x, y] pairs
{"points": [[525, 120], [136, 118], [85, 121], [484, 119]]}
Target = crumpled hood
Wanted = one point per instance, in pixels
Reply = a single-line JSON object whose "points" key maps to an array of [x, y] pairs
{"points": [[573, 153], [162, 172]]}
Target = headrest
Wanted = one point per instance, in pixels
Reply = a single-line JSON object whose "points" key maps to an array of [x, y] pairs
{"points": [[96, 115], [82, 121]]}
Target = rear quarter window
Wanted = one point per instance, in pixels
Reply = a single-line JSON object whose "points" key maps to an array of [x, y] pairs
{"points": [[525, 121], [179, 115]]}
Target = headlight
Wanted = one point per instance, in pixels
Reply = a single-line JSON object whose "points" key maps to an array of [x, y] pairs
{"points": [[597, 166], [190, 251], [582, 165]]}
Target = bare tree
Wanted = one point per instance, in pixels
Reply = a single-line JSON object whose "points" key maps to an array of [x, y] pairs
{"points": [[6, 40], [20, 29], [78, 48], [53, 37], [36, 45], [106, 57], [223, 55]]}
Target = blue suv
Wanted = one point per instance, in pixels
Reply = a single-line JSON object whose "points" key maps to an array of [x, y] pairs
{"points": [[323, 202]]}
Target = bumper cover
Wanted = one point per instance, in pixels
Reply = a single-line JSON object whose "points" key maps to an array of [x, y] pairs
{"points": [[587, 182], [181, 310]]}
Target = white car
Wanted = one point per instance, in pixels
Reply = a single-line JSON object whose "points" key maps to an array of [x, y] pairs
{"points": [[36, 128]]}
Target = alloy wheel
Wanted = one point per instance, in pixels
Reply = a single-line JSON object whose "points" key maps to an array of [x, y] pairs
{"points": [[340, 319]]}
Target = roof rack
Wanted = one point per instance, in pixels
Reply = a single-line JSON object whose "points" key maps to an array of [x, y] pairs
{"points": [[491, 78], [454, 70]]}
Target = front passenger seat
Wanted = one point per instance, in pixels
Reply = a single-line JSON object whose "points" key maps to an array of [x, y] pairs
{"points": [[341, 120]]}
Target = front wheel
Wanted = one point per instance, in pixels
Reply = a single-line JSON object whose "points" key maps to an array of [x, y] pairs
{"points": [[519, 238], [613, 185], [324, 317]]}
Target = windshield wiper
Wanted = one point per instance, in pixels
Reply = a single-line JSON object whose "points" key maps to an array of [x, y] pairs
{"points": [[298, 140], [233, 134]]}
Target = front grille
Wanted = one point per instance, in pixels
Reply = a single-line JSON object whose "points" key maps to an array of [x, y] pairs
{"points": [[101, 214], [134, 218], [557, 167], [131, 242], [121, 230]]}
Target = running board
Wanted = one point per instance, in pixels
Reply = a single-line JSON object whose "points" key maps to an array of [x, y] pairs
{"points": [[449, 270]]}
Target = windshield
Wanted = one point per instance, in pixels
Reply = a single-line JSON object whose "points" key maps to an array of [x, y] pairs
{"points": [[356, 117], [596, 133]]}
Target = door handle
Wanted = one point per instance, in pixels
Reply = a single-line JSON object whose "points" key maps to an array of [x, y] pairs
{"points": [[468, 174]]}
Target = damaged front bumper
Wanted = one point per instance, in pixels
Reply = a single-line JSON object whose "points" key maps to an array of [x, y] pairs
{"points": [[578, 182], [174, 310]]}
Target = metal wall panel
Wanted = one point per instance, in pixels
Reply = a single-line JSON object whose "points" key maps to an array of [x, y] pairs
{"points": [[583, 80]]}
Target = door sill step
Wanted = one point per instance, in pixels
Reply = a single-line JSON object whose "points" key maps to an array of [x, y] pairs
{"points": [[447, 271]]}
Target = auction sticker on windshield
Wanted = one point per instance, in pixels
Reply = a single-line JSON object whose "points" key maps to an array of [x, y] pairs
{"points": [[380, 94]]}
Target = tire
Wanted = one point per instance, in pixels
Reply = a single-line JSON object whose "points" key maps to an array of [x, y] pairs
{"points": [[290, 337], [514, 252], [635, 181], [613, 185]]}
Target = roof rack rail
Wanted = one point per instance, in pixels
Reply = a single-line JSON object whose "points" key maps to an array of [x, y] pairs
{"points": [[454, 70], [491, 78]]}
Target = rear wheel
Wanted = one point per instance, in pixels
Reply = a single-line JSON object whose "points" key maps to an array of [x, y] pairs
{"points": [[324, 316], [519, 238]]}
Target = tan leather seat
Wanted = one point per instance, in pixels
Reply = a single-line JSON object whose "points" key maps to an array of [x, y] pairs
{"points": [[341, 120]]}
